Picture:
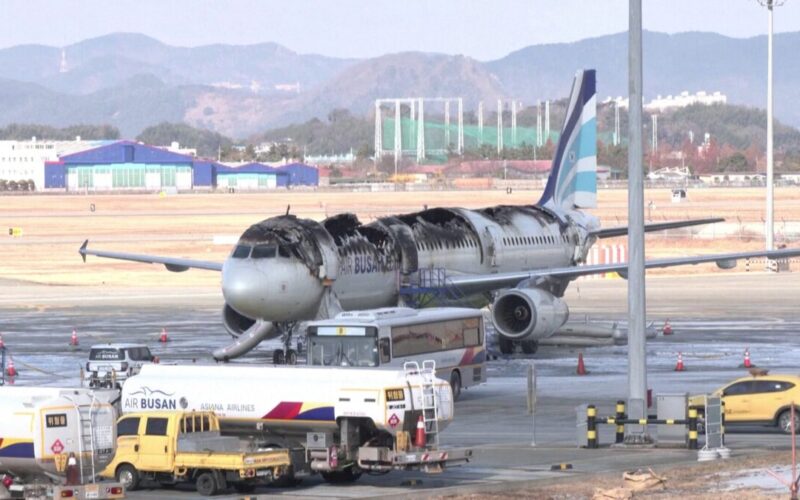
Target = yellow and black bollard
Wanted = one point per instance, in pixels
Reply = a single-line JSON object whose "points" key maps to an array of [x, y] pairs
{"points": [[619, 418], [692, 428], [591, 427]]}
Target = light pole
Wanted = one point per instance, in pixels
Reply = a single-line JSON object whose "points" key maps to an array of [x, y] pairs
{"points": [[770, 216]]}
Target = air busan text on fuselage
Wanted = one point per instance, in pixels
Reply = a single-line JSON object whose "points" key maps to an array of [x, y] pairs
{"points": [[520, 259]]}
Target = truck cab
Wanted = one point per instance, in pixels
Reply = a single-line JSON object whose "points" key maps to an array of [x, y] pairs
{"points": [[110, 365]]}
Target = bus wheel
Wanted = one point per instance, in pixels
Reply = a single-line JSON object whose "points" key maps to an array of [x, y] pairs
{"points": [[455, 384], [291, 357], [529, 346], [277, 357], [506, 345]]}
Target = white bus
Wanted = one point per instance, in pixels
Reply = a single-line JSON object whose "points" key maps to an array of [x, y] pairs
{"points": [[453, 337]]}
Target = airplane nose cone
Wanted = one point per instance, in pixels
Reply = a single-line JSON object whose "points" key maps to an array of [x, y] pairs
{"points": [[244, 289], [271, 289]]}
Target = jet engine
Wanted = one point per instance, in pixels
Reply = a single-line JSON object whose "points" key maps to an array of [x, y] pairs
{"points": [[519, 313]]}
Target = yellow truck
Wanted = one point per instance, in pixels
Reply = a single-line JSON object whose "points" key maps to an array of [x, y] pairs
{"points": [[176, 446]]}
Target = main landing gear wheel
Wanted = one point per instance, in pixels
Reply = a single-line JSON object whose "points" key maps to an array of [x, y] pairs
{"points": [[506, 345], [455, 384], [277, 357], [529, 346]]}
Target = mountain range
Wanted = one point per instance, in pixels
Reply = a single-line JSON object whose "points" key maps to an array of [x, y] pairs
{"points": [[132, 81]]}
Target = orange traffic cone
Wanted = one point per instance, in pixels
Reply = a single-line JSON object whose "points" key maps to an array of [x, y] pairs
{"points": [[581, 367], [163, 338], [747, 363], [667, 330], [74, 339], [10, 370], [679, 365], [420, 438]]}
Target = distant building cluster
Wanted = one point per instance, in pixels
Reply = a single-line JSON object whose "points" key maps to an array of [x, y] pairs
{"points": [[661, 103], [77, 166]]}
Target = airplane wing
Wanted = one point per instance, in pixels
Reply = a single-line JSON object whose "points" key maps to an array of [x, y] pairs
{"points": [[660, 226], [172, 264], [479, 283]]}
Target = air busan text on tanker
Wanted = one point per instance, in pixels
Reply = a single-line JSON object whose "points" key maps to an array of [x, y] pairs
{"points": [[520, 258]]}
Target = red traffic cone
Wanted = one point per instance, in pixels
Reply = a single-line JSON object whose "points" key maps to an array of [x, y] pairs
{"points": [[667, 330], [747, 363], [163, 338], [420, 438], [581, 367], [74, 339], [10, 370], [679, 365]]}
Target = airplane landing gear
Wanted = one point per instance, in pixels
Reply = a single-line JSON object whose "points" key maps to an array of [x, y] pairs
{"points": [[287, 355]]}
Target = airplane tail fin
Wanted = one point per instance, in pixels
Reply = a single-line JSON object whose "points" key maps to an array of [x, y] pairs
{"points": [[573, 177]]}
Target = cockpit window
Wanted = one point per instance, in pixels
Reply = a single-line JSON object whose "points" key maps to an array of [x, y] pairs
{"points": [[264, 251], [241, 252]]}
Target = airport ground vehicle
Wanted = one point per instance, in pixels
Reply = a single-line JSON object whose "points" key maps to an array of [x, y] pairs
{"points": [[759, 399], [41, 428], [110, 364], [178, 446], [452, 337], [335, 421]]}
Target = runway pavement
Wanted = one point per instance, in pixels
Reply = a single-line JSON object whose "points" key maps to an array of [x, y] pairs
{"points": [[714, 317]]}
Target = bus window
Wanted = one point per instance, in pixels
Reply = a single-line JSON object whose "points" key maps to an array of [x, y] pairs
{"points": [[472, 337], [386, 355], [344, 351]]}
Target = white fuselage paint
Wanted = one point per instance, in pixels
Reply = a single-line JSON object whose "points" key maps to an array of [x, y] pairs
{"points": [[284, 290]]}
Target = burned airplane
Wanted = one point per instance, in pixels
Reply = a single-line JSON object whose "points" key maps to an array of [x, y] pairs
{"points": [[519, 259]]}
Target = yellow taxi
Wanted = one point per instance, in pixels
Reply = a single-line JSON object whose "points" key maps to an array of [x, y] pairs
{"points": [[760, 399]]}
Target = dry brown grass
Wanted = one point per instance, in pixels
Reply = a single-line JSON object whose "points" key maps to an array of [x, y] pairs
{"points": [[54, 226], [706, 481]]}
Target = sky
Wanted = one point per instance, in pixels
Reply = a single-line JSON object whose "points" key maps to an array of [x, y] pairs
{"points": [[483, 29]]}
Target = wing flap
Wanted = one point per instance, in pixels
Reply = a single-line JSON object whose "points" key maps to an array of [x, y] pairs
{"points": [[477, 283], [613, 232], [171, 263]]}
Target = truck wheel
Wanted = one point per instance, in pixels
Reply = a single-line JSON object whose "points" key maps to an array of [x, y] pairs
{"points": [[206, 484], [529, 346], [128, 476], [455, 384], [506, 345]]}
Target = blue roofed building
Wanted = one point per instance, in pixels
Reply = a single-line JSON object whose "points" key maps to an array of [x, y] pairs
{"points": [[301, 174], [127, 165], [250, 176]]}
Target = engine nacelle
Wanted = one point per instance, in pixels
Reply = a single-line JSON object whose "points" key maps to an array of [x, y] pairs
{"points": [[528, 312], [235, 323]]}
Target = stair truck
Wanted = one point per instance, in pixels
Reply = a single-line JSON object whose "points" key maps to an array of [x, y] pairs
{"points": [[338, 422], [180, 446], [50, 437]]}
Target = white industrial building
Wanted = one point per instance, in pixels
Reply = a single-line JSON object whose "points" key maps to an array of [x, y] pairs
{"points": [[24, 160]]}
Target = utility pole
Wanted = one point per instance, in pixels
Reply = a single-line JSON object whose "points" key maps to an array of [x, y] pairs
{"points": [[637, 353], [770, 229]]}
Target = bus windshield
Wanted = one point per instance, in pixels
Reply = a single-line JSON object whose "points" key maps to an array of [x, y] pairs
{"points": [[343, 351]]}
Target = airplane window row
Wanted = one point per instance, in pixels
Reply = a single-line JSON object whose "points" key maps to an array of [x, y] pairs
{"points": [[533, 240], [446, 244]]}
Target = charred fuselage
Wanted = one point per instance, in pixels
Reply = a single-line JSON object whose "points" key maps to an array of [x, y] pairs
{"points": [[287, 269]]}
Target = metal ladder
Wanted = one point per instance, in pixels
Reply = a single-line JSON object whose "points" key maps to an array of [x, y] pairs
{"points": [[86, 442], [429, 407]]}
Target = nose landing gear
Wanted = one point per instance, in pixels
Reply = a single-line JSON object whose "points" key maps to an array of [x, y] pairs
{"points": [[286, 355]]}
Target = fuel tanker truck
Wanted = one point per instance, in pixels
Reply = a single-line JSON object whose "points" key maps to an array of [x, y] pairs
{"points": [[336, 421], [54, 442]]}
